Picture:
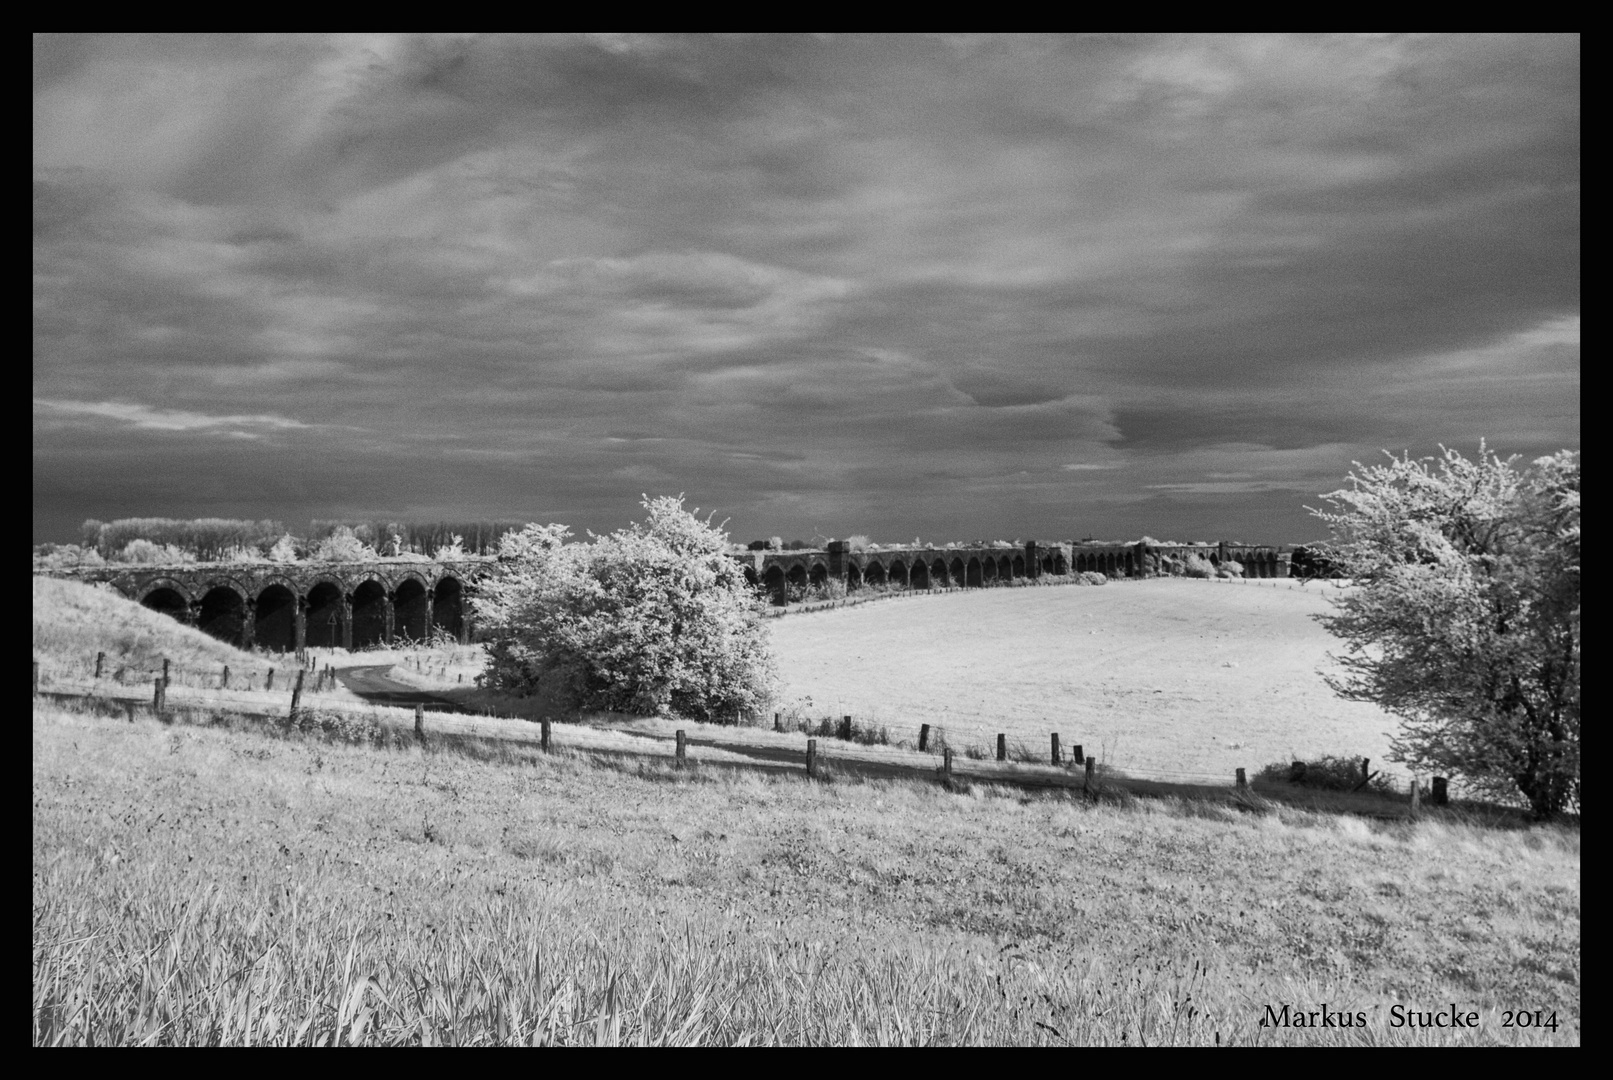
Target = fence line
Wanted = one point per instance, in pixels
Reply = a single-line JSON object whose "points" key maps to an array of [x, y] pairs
{"points": [[844, 731]]}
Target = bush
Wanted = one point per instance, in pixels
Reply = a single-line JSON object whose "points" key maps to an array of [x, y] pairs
{"points": [[343, 545], [65, 557], [1230, 569], [1328, 773], [145, 553], [1090, 577], [655, 618], [1196, 566]]}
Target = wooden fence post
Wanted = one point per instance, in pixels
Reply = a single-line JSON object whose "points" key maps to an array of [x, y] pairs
{"points": [[100, 660], [1365, 775], [544, 736], [946, 760], [680, 746], [420, 723], [1089, 782], [268, 684], [1243, 781], [165, 671], [1416, 796], [1076, 755], [1002, 747], [1441, 795], [778, 721], [36, 678], [1055, 748], [845, 728], [159, 697], [812, 757], [296, 694], [224, 680], [128, 710], [924, 737]]}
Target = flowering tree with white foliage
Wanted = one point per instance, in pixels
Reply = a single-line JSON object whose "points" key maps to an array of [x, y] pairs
{"points": [[1464, 618], [654, 618]]}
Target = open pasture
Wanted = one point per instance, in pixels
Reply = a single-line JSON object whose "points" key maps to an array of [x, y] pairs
{"points": [[1166, 676]]}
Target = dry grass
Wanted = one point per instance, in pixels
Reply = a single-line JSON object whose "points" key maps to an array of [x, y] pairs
{"points": [[1170, 678], [198, 885]]}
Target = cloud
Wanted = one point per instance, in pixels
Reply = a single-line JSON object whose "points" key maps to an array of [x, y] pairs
{"points": [[908, 277], [145, 418]]}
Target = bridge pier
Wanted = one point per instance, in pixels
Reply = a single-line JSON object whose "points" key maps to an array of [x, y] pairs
{"points": [[299, 626], [389, 614], [249, 623], [347, 621]]}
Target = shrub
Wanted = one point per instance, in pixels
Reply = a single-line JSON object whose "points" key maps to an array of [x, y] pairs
{"points": [[1230, 569], [343, 545], [145, 553], [1329, 772], [1090, 577], [283, 550], [1196, 566], [655, 618], [65, 557]]}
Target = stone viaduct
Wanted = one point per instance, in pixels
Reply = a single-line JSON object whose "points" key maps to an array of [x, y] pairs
{"points": [[289, 606], [981, 565]]}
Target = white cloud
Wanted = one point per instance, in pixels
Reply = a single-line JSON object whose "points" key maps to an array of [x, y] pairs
{"points": [[144, 417]]}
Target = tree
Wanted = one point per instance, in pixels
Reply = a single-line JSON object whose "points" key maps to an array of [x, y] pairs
{"points": [[1464, 618], [654, 618]]}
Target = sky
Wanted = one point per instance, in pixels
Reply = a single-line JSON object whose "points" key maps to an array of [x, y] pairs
{"points": [[954, 288]]}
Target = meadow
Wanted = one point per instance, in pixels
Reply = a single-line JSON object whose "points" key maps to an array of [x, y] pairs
{"points": [[217, 880], [205, 885], [1167, 677]]}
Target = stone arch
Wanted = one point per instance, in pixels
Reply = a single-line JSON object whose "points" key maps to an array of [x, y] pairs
{"points": [[874, 573], [773, 578], [448, 606], [898, 572], [938, 574], [1060, 566], [1018, 566], [957, 571], [920, 576], [854, 576], [222, 613], [275, 617], [797, 575], [369, 600], [818, 574], [973, 573], [167, 596], [326, 612], [411, 610], [988, 570]]}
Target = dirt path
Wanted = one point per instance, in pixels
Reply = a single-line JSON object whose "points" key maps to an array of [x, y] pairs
{"points": [[374, 685]]}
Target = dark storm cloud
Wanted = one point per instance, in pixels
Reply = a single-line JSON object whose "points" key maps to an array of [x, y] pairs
{"points": [[881, 285]]}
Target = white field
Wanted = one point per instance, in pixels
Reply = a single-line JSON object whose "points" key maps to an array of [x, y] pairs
{"points": [[1162, 677]]}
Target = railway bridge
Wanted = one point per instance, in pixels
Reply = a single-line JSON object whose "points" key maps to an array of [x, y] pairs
{"points": [[289, 606], [974, 566]]}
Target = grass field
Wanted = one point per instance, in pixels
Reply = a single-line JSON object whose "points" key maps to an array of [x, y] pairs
{"points": [[1167, 677], [199, 885], [204, 883]]}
